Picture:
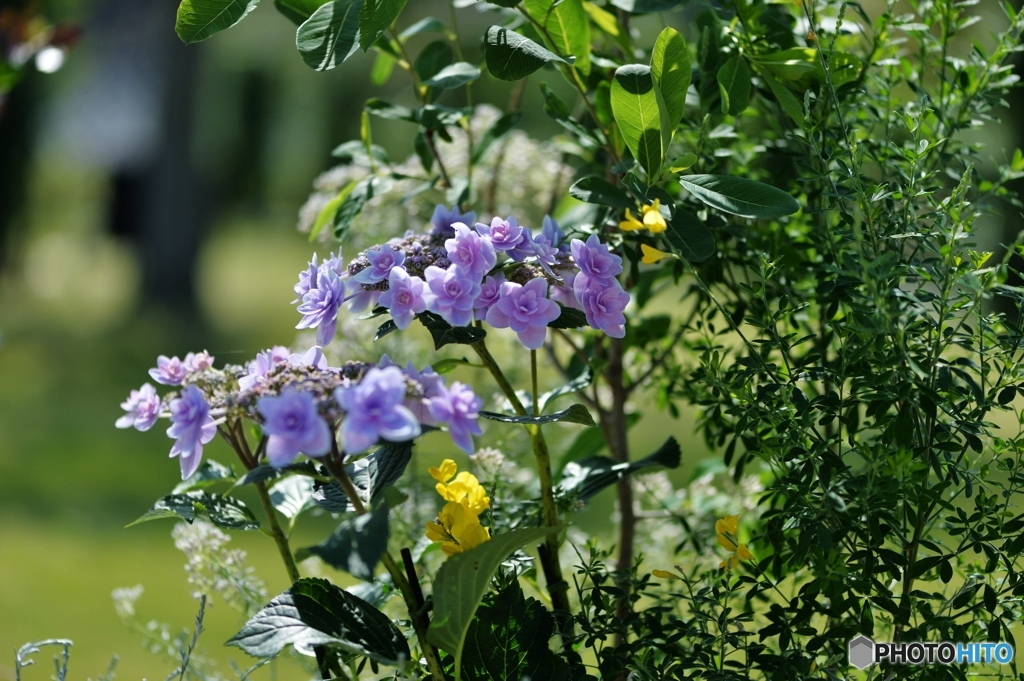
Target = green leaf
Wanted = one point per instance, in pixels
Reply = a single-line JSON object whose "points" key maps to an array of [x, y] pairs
{"points": [[498, 130], [596, 190], [225, 512], [557, 110], [453, 76], [371, 475], [789, 102], [292, 495], [330, 35], [684, 162], [508, 639], [432, 59], [444, 333], [796, 63], [382, 109], [209, 473], [199, 19], [446, 366], [425, 25], [565, 22], [586, 478], [375, 18], [356, 546], [646, 6], [330, 211], [266, 472], [740, 196], [734, 85], [461, 582], [690, 237], [351, 206], [314, 612], [635, 107], [354, 151], [297, 11], [568, 318], [577, 413], [575, 385], [383, 67], [670, 68], [511, 56]]}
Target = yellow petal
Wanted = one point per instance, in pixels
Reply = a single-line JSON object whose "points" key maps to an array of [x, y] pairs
{"points": [[722, 565], [652, 255], [729, 525], [743, 553], [630, 223], [445, 472], [653, 219], [474, 536], [726, 542], [664, 574]]}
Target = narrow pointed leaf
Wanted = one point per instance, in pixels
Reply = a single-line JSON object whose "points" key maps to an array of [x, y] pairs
{"points": [[498, 130], [588, 477], [453, 76], [734, 85], [577, 413], [596, 190], [670, 68], [740, 196]]}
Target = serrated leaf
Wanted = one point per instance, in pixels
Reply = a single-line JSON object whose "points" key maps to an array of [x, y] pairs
{"points": [[577, 413], [292, 495], [266, 472], [330, 35], [498, 130], [461, 582], [314, 612], [297, 11], [586, 478], [575, 385], [565, 22], [356, 545], [384, 329], [734, 85], [374, 19], [511, 56], [596, 190], [199, 19], [444, 333], [670, 68], [690, 237], [209, 473], [225, 512], [453, 76], [635, 107], [740, 196], [371, 475]]}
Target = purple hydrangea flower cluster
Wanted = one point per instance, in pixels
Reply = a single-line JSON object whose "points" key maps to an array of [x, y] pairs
{"points": [[501, 273], [301, 402], [321, 291]]}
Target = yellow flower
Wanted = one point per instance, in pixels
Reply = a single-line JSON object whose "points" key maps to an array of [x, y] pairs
{"points": [[458, 526], [650, 219], [664, 574], [445, 472], [465, 487], [725, 532], [652, 255]]}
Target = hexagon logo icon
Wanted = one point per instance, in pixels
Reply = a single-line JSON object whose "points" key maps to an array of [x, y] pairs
{"points": [[862, 652]]}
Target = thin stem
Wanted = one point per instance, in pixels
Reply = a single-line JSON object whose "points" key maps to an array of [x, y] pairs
{"points": [[416, 614], [533, 376], [276, 532]]}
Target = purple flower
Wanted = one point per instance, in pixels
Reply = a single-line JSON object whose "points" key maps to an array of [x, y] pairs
{"points": [[432, 384], [192, 427], [320, 305], [334, 263], [382, 259], [293, 426], [307, 279], [374, 410], [198, 361], [143, 407], [279, 354], [564, 294], [169, 371], [404, 297], [451, 293], [458, 407], [504, 234], [596, 263], [361, 298], [526, 310], [551, 235], [532, 248], [603, 305], [314, 357], [444, 218], [259, 368], [489, 292], [470, 251]]}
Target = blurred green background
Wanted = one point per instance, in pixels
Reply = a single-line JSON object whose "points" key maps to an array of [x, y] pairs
{"points": [[148, 199]]}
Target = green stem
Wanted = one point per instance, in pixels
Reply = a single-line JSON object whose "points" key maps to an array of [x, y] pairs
{"points": [[277, 533], [416, 614]]}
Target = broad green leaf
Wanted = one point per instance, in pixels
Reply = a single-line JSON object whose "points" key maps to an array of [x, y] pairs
{"points": [[356, 546], [453, 76], [266, 472], [199, 19], [378, 107], [371, 475], [796, 63], [608, 23], [444, 333], [740, 196], [577, 413], [498, 130], [461, 582], [684, 162], [635, 106], [351, 206], [670, 68], [292, 495], [586, 478], [209, 473], [327, 214], [568, 318], [297, 11], [354, 151], [579, 383], [314, 612], [425, 25], [511, 56], [690, 237], [446, 366], [734, 85], [330, 35], [225, 512], [375, 18], [383, 66], [596, 190], [646, 6], [566, 24], [431, 59], [789, 102]]}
